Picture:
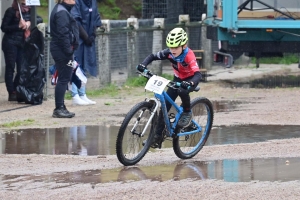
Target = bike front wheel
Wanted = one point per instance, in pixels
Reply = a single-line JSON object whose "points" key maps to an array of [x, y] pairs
{"points": [[132, 145], [187, 146]]}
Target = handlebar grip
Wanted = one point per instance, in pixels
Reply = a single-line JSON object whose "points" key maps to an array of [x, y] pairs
{"points": [[141, 68], [179, 84]]}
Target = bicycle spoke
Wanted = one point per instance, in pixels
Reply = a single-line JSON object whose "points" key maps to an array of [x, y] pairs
{"points": [[130, 147], [187, 146]]}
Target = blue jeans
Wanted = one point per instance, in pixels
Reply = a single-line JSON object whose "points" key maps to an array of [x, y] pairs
{"points": [[75, 90]]}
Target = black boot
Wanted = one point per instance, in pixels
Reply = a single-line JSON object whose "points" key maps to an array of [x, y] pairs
{"points": [[12, 96], [69, 111], [62, 112], [159, 136], [159, 133]]}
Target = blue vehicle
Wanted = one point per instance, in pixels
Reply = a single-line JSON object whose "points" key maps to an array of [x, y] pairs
{"points": [[258, 28], [137, 130]]}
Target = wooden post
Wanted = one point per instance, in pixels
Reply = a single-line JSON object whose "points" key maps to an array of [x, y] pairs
{"points": [[157, 44], [103, 55], [185, 19], [132, 55], [206, 46]]}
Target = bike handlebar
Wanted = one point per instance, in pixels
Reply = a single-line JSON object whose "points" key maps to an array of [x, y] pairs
{"points": [[148, 74]]}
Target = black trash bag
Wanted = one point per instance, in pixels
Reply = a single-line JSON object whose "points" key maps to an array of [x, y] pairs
{"points": [[32, 75]]}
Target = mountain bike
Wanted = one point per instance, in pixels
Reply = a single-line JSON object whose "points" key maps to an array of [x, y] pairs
{"points": [[137, 130]]}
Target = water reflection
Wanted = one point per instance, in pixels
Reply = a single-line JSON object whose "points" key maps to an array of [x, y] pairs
{"points": [[81, 140], [101, 140], [271, 169], [251, 133]]}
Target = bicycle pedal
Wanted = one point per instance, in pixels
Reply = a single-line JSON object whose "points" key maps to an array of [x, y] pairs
{"points": [[191, 127], [157, 143], [155, 146]]}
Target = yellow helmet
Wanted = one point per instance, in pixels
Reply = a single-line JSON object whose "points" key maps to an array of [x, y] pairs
{"points": [[176, 37]]}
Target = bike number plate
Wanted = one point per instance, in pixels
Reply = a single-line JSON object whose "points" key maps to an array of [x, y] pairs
{"points": [[156, 84]]}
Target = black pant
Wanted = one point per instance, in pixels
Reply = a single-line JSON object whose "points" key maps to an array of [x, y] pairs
{"points": [[184, 94], [174, 93], [13, 57], [64, 71]]}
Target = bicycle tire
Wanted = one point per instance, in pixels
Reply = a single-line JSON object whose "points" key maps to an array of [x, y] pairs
{"points": [[188, 146], [131, 147]]}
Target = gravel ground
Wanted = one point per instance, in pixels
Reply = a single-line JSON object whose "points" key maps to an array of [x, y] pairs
{"points": [[258, 106]]}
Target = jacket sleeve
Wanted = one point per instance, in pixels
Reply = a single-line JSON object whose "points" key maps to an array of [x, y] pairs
{"points": [[161, 55], [82, 33], [76, 13], [97, 18], [26, 16], [63, 29], [6, 25], [196, 78]]}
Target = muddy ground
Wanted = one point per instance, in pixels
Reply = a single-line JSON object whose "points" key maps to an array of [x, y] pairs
{"points": [[279, 106]]}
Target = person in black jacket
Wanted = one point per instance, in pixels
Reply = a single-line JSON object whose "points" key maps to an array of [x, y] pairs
{"points": [[14, 26], [64, 41]]}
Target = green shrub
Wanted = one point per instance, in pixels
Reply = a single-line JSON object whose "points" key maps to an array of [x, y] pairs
{"points": [[109, 10], [44, 3], [17, 123]]}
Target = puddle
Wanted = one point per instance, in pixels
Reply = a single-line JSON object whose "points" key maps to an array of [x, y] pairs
{"points": [[251, 133], [101, 140], [272, 169], [81, 140], [276, 81]]}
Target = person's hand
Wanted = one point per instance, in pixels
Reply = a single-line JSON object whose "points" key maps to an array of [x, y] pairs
{"points": [[101, 28], [74, 64], [22, 24], [89, 41], [186, 84], [28, 23], [141, 67]]}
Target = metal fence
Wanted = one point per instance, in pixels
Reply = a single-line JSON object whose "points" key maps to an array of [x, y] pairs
{"points": [[171, 9], [122, 46]]}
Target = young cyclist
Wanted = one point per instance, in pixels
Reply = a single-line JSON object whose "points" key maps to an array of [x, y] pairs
{"points": [[186, 71]]}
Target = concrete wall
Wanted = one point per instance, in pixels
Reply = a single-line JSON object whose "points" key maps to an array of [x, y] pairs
{"points": [[4, 4]]}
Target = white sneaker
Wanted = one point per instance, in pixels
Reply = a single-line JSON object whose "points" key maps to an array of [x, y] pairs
{"points": [[84, 97], [76, 100]]}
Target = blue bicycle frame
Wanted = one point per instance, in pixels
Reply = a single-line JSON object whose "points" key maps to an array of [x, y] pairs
{"points": [[171, 127]]}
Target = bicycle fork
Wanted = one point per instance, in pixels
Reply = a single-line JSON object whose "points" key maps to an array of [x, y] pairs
{"points": [[153, 111]]}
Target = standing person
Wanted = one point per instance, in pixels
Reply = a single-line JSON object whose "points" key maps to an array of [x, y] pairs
{"points": [[186, 71], [14, 26], [88, 19], [64, 33]]}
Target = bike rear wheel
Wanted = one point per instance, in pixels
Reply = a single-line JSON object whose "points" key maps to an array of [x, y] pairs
{"points": [[188, 146], [131, 146]]}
